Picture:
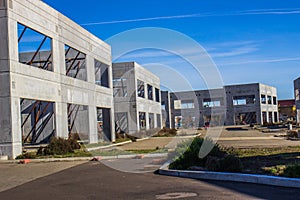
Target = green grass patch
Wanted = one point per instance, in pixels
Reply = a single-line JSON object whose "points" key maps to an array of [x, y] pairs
{"points": [[110, 152], [250, 152], [277, 161], [76, 153]]}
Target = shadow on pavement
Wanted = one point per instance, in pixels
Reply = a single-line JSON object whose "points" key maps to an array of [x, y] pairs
{"points": [[259, 191]]}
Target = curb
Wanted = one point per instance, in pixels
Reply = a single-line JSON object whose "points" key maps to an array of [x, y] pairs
{"points": [[115, 145], [108, 146], [235, 177], [131, 156]]}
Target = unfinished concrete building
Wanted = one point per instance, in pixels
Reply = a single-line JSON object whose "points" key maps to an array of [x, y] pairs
{"points": [[287, 110], [231, 105], [136, 98], [56, 78], [297, 97]]}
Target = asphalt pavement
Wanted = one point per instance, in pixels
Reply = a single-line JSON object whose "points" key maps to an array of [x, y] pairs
{"points": [[94, 180]]}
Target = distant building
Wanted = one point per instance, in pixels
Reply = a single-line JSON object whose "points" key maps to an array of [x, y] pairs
{"points": [[136, 98], [297, 97], [287, 110], [232, 105]]}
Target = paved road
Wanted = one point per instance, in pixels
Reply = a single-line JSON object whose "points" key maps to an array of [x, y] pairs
{"points": [[93, 180], [13, 174]]}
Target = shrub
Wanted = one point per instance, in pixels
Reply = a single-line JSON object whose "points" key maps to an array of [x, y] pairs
{"points": [[230, 163], [293, 134], [187, 154], [212, 163], [27, 155], [218, 159], [59, 146], [166, 132], [292, 171], [74, 136]]}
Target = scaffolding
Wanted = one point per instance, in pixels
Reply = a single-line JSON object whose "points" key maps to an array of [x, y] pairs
{"points": [[37, 121], [39, 52]]}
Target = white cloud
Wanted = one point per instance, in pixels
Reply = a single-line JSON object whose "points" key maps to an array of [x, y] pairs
{"points": [[233, 48], [235, 52], [262, 61], [284, 11]]}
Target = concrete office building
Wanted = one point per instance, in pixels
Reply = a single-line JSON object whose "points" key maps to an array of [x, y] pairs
{"points": [[58, 84], [297, 97], [231, 105], [136, 98]]}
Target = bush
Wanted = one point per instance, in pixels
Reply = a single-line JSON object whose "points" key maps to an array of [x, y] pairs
{"points": [[74, 136], [293, 134], [59, 146], [187, 154], [166, 132], [212, 163], [230, 163], [292, 171], [27, 155]]}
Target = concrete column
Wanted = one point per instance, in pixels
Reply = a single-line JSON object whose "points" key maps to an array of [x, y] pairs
{"points": [[93, 132], [259, 117], [110, 76], [59, 57], [90, 67], [58, 61], [16, 126], [112, 125], [155, 120], [61, 119], [10, 136], [134, 124], [147, 121], [10, 129]]}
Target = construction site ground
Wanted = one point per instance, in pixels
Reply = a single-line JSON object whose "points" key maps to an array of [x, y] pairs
{"points": [[13, 174], [240, 138]]}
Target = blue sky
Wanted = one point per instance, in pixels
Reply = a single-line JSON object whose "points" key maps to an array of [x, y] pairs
{"points": [[249, 41]]}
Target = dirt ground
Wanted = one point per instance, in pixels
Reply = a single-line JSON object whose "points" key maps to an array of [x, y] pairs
{"points": [[245, 138]]}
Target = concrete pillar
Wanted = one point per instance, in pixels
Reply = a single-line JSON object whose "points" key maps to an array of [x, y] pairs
{"points": [[16, 126], [134, 124], [90, 67], [93, 132], [112, 125], [58, 59], [155, 120], [10, 131], [147, 121], [110, 77], [259, 117], [61, 119], [10, 135]]}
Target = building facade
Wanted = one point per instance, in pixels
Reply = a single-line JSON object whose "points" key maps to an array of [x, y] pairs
{"points": [[56, 78], [231, 105], [297, 98], [287, 110], [136, 98]]}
